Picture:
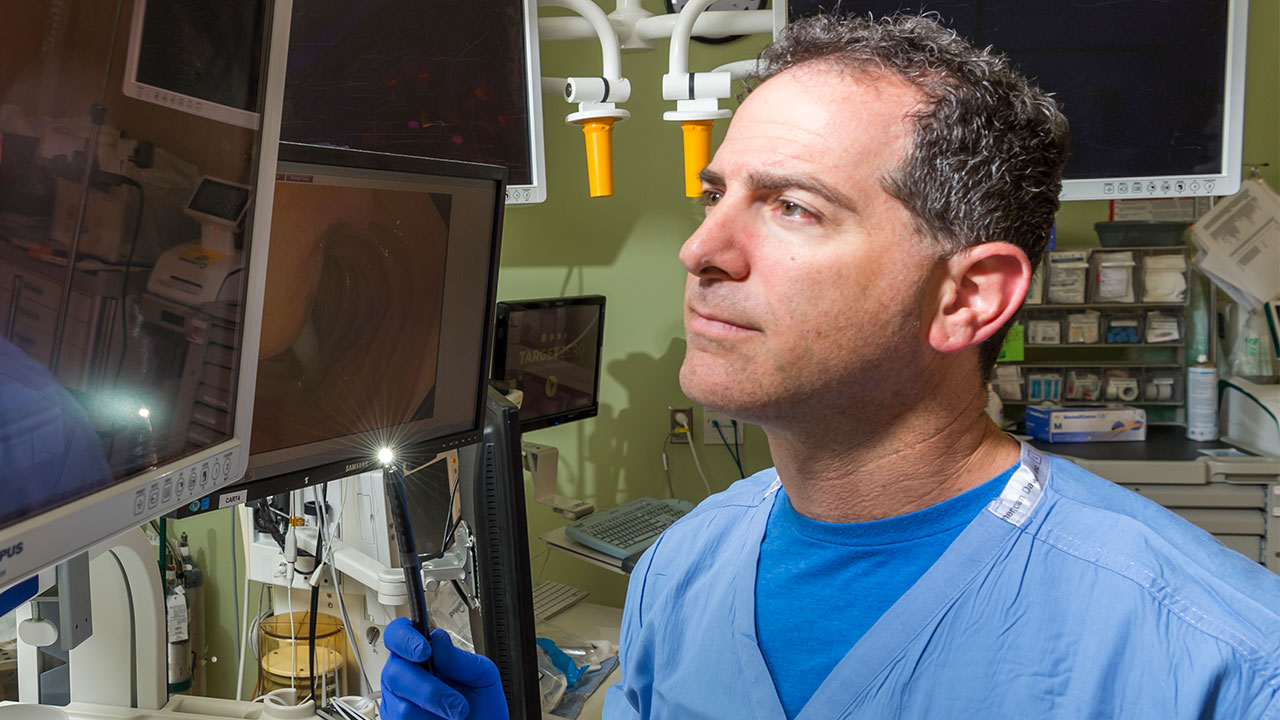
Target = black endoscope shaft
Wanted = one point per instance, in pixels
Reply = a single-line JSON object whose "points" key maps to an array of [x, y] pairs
{"points": [[393, 482]]}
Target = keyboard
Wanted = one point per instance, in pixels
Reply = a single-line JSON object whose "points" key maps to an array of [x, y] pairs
{"points": [[627, 529], [552, 598]]}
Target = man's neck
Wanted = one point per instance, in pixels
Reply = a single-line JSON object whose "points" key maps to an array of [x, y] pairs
{"points": [[842, 474]]}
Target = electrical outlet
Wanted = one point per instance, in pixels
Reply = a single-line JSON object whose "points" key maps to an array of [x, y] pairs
{"points": [[673, 424], [727, 426]]}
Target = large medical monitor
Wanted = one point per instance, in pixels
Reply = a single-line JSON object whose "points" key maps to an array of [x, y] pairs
{"points": [[197, 56], [378, 299], [455, 79], [550, 350], [1154, 90], [98, 377]]}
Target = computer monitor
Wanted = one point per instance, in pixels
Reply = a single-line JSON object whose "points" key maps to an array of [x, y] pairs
{"points": [[550, 350], [455, 79], [379, 294], [97, 379], [1154, 90], [492, 492], [199, 57]]}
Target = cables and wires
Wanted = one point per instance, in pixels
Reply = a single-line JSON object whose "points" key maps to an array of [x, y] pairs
{"points": [[124, 284], [333, 577], [235, 583], [683, 429], [666, 466], [698, 464], [735, 452]]}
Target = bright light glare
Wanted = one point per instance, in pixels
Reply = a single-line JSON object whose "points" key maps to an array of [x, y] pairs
{"points": [[385, 456], [144, 413]]}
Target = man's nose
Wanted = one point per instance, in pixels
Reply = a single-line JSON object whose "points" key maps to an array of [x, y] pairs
{"points": [[716, 250]]}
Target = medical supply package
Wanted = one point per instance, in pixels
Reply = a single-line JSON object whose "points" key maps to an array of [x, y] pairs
{"points": [[1086, 424]]}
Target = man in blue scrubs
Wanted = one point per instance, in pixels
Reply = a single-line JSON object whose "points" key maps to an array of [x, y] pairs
{"points": [[873, 218]]}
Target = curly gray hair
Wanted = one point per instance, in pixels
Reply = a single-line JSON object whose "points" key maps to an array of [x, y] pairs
{"points": [[986, 158]]}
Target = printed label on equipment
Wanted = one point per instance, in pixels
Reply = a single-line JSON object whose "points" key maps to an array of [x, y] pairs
{"points": [[234, 498]]}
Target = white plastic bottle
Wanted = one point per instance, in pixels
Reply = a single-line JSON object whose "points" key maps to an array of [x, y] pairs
{"points": [[1202, 401]]}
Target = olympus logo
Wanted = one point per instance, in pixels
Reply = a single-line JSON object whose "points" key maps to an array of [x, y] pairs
{"points": [[10, 552]]}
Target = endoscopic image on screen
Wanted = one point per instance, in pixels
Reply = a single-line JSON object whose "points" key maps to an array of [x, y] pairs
{"points": [[551, 358], [351, 312]]}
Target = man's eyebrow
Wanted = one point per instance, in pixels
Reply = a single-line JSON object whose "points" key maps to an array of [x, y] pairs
{"points": [[784, 181]]}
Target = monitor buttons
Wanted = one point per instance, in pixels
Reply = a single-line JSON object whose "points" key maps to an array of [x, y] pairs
{"points": [[140, 502], [1180, 186], [1108, 188], [166, 490], [1165, 187], [182, 483], [153, 497], [1209, 185]]}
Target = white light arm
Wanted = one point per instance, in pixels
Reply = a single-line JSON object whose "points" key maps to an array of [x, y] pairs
{"points": [[614, 87], [387, 583]]}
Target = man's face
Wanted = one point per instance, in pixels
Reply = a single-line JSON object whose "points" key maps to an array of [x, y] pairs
{"points": [[808, 288]]}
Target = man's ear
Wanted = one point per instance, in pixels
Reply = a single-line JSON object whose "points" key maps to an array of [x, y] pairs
{"points": [[981, 289]]}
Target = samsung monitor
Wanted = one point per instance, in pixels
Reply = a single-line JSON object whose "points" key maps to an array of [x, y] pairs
{"points": [[1153, 90], [198, 56], [378, 298], [98, 378], [455, 79], [550, 350]]}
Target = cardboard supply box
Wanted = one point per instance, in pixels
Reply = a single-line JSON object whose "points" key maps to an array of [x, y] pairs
{"points": [[1086, 424]]}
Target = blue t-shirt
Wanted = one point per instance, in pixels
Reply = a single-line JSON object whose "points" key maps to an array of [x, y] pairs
{"points": [[820, 586]]}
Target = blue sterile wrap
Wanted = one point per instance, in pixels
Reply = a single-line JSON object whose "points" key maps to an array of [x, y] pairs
{"points": [[563, 662]]}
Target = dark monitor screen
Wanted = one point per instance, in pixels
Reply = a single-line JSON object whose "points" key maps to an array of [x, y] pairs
{"points": [[1142, 82], [198, 56], [441, 79], [220, 200], [379, 288], [550, 351]]}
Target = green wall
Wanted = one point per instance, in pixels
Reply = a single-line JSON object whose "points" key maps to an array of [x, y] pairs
{"points": [[625, 247]]}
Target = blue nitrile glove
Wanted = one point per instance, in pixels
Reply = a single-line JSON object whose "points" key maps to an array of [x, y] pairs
{"points": [[466, 686]]}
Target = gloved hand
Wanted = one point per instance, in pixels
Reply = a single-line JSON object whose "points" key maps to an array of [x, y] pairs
{"points": [[466, 686]]}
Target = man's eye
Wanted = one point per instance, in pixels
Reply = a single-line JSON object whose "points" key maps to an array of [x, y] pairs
{"points": [[710, 198], [790, 209]]}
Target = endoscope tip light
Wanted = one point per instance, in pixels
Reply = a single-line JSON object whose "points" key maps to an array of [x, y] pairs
{"points": [[385, 456], [144, 413]]}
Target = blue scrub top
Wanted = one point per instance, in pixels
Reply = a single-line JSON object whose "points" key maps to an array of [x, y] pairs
{"points": [[1090, 601], [49, 453]]}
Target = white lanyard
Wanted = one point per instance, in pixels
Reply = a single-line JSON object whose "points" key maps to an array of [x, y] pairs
{"points": [[1023, 491]]}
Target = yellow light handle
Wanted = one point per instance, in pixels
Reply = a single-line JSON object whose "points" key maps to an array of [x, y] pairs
{"points": [[598, 134], [697, 153]]}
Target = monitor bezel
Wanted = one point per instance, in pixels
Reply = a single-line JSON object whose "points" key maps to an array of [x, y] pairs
{"points": [[1226, 180], [40, 541], [498, 367], [334, 457], [536, 191], [170, 98]]}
